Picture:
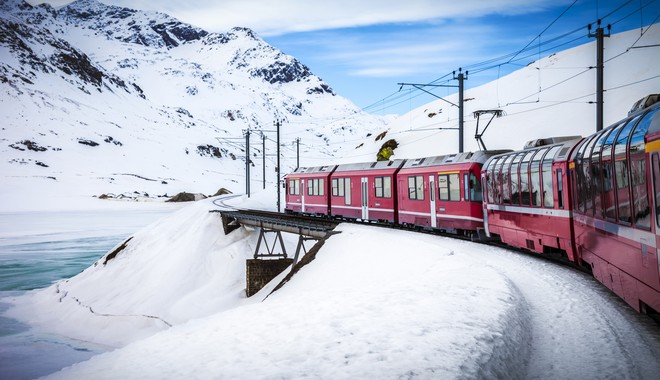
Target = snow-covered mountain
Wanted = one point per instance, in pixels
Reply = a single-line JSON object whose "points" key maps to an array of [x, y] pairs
{"points": [[105, 99]]}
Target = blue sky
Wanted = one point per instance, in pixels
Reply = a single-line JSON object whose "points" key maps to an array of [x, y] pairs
{"points": [[363, 48]]}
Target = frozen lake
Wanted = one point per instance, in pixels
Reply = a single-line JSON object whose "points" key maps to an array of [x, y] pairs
{"points": [[39, 248]]}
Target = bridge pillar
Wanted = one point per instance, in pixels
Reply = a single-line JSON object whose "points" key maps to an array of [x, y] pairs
{"points": [[259, 272]]}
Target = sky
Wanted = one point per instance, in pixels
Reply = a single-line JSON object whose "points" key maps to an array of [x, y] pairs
{"points": [[364, 49]]}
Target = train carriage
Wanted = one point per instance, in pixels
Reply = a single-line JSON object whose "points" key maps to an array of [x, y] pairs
{"points": [[307, 190], [527, 204], [616, 196], [442, 192], [365, 191]]}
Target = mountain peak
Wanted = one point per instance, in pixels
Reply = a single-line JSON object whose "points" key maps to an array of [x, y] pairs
{"points": [[152, 29]]}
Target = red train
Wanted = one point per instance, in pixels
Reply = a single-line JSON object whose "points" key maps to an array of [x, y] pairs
{"points": [[594, 201]]}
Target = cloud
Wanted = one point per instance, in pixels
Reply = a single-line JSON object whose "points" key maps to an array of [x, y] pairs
{"points": [[394, 51], [272, 18]]}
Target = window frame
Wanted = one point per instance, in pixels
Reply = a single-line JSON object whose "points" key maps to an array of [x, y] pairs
{"points": [[294, 186], [414, 191], [385, 187], [453, 190]]}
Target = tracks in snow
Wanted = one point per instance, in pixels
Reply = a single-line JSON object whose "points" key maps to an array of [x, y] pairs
{"points": [[578, 328]]}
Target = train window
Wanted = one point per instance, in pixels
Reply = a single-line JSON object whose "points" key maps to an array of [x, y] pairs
{"points": [[315, 186], [579, 175], [383, 187], [597, 172], [340, 187], [621, 173], [535, 177], [466, 187], [546, 170], [560, 189], [609, 203], [489, 180], [640, 194], [449, 187], [294, 187], [499, 180], [588, 184], [637, 145], [476, 193], [416, 188], [656, 187], [524, 179], [578, 200], [506, 180], [514, 179]]}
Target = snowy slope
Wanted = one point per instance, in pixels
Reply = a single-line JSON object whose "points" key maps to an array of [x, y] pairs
{"points": [[101, 99], [375, 303], [549, 97]]}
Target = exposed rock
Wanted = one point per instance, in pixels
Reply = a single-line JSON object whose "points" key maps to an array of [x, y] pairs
{"points": [[186, 197], [209, 150], [281, 72], [110, 139], [114, 253], [221, 191], [87, 142], [29, 145]]}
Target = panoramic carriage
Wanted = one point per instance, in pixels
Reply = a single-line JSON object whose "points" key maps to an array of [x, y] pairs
{"points": [[616, 197], [442, 192], [527, 204], [307, 190], [365, 191]]}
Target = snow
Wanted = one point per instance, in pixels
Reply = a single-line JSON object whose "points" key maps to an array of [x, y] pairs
{"points": [[375, 303]]}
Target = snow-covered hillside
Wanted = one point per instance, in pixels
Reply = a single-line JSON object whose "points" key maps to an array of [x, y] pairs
{"points": [[552, 96], [102, 99], [374, 303]]}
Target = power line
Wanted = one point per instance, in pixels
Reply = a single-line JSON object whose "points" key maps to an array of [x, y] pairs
{"points": [[544, 30]]}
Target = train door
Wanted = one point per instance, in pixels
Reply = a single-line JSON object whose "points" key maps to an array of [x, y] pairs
{"points": [[434, 216], [484, 203], [365, 198], [303, 189], [655, 177]]}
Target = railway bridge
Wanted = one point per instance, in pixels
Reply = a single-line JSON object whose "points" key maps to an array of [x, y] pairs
{"points": [[267, 264]]}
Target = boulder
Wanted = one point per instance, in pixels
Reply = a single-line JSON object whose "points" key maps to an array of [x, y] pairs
{"points": [[186, 197]]}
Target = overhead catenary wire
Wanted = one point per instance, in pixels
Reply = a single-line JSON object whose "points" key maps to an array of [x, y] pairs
{"points": [[514, 57]]}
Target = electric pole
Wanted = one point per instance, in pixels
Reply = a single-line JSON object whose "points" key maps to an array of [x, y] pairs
{"points": [[247, 162], [600, 48], [297, 152], [263, 158], [460, 78], [277, 124]]}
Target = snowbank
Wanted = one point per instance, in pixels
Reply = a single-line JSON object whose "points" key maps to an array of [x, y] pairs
{"points": [[373, 304], [178, 268]]}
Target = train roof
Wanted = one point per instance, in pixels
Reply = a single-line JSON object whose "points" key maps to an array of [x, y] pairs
{"points": [[549, 141], [455, 158], [630, 130], [314, 170], [560, 149], [375, 165]]}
